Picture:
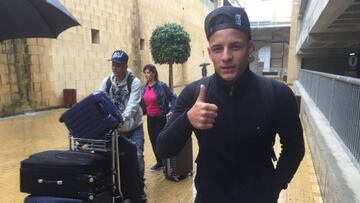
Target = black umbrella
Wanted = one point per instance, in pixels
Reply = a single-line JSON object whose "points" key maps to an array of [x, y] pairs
{"points": [[33, 18]]}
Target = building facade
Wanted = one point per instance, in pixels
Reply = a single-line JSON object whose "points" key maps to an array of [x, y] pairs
{"points": [[324, 66], [34, 72]]}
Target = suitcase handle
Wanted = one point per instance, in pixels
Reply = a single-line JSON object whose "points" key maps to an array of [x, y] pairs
{"points": [[58, 182], [109, 105]]}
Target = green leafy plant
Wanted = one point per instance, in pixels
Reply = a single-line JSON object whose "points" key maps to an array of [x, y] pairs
{"points": [[170, 44]]}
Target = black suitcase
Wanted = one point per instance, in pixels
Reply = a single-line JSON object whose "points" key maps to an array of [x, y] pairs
{"points": [[92, 117], [101, 198], [131, 182], [65, 174], [180, 166]]}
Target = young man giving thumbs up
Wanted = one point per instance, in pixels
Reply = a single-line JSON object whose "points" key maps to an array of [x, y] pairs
{"points": [[235, 116]]}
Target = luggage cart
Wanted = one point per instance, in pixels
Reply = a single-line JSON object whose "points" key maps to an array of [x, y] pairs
{"points": [[107, 144]]}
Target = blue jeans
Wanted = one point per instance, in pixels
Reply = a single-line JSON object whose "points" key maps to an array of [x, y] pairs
{"points": [[137, 136]]}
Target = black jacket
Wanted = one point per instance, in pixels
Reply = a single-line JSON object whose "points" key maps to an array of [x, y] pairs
{"points": [[234, 162]]}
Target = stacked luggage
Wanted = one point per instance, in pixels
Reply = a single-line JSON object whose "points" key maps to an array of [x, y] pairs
{"points": [[71, 174], [91, 170]]}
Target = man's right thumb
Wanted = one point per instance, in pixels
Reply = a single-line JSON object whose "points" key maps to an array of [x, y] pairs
{"points": [[202, 94]]}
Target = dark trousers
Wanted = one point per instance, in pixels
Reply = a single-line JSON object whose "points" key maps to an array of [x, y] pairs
{"points": [[254, 195], [252, 200], [154, 126]]}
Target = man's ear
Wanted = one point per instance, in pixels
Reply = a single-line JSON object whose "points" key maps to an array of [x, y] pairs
{"points": [[209, 53], [251, 46]]}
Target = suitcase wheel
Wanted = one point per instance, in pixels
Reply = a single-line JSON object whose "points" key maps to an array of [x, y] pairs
{"points": [[176, 179]]}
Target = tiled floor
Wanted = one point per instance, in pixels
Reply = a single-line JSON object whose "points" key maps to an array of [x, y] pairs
{"points": [[27, 134], [304, 187]]}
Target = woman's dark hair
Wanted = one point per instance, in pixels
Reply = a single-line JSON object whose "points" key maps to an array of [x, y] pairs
{"points": [[152, 69]]}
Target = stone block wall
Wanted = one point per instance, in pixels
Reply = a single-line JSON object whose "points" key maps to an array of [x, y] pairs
{"points": [[189, 14], [34, 72]]}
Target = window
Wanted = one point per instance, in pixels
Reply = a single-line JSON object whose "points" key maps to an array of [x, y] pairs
{"points": [[141, 44], [95, 36]]}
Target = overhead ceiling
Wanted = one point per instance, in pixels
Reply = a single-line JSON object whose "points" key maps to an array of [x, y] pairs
{"points": [[336, 32], [264, 36]]}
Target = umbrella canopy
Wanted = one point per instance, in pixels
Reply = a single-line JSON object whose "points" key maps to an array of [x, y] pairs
{"points": [[33, 18]]}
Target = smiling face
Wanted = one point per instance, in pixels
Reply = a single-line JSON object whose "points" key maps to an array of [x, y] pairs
{"points": [[229, 50]]}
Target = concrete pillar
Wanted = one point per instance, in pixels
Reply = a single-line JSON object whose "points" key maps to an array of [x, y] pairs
{"points": [[294, 62]]}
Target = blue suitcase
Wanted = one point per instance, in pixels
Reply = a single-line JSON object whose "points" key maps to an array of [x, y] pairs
{"points": [[92, 117], [102, 198]]}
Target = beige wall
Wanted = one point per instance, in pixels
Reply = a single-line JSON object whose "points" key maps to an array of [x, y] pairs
{"points": [[189, 14], [294, 62], [34, 76]]}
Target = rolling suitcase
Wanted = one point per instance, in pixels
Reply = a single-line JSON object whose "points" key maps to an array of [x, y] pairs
{"points": [[92, 117], [127, 183], [180, 166], [101, 198], [70, 174], [131, 182]]}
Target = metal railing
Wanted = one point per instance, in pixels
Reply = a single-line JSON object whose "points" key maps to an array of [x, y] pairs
{"points": [[338, 98]]}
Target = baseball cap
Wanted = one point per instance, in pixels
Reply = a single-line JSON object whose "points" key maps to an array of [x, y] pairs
{"points": [[119, 56], [227, 17]]}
